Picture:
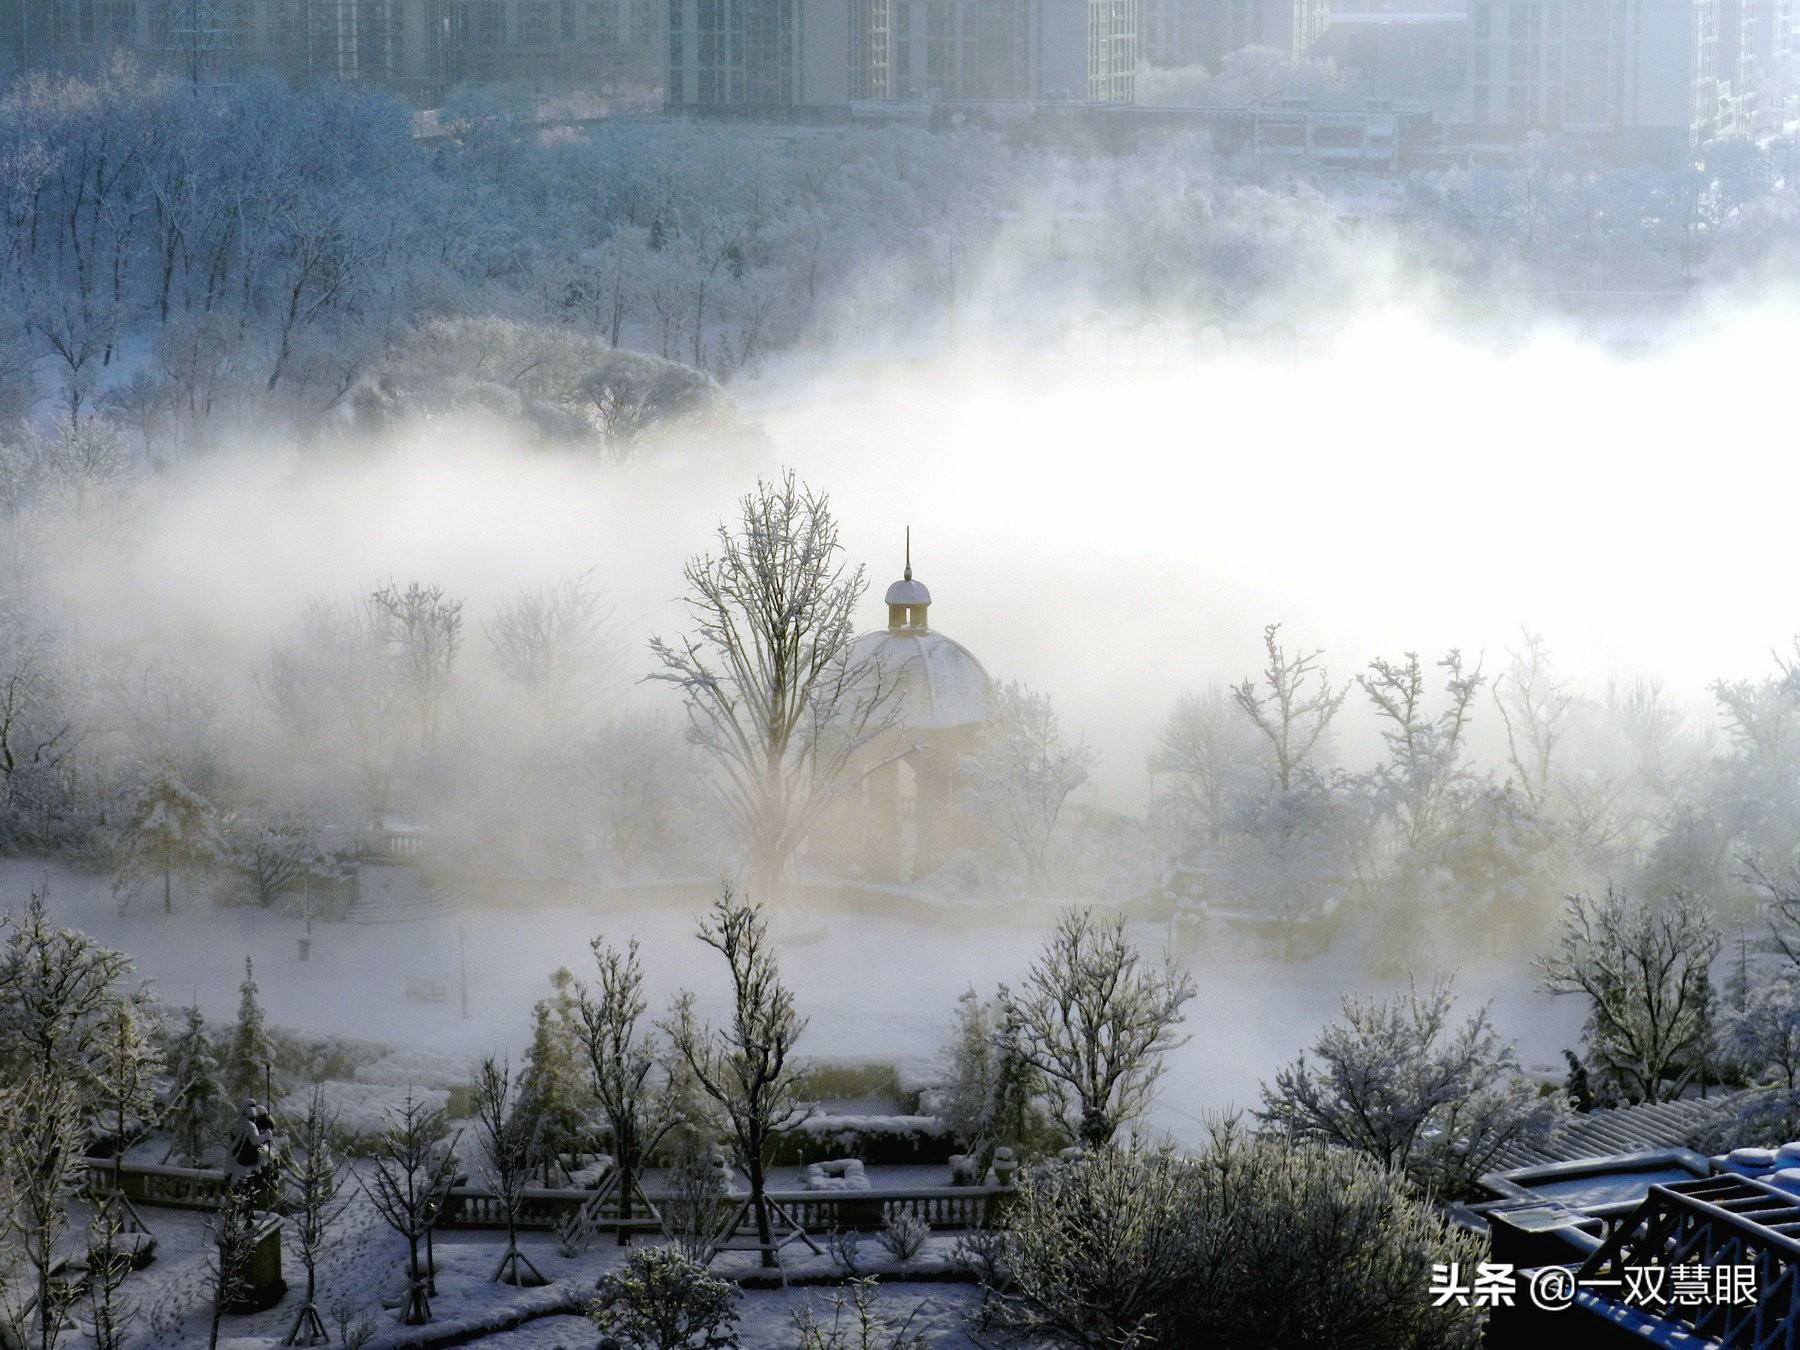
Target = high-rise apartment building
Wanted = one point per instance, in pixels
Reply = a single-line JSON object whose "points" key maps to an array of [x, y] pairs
{"points": [[1179, 33], [745, 55], [417, 46], [1674, 71]]}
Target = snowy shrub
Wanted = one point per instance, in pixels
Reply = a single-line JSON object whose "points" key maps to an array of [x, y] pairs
{"points": [[1396, 1081], [661, 1300], [982, 1252], [855, 1324], [690, 1208], [904, 1236], [355, 1324], [845, 1247], [1249, 1243]]}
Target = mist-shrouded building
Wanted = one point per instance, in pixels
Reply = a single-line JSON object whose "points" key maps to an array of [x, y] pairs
{"points": [[1670, 72], [781, 55], [905, 814], [1178, 33], [415, 46]]}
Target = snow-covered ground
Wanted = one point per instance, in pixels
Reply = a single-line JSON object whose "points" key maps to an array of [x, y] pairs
{"points": [[362, 1277], [875, 987]]}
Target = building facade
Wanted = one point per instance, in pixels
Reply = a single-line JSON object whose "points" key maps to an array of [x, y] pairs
{"points": [[1177, 33], [779, 55], [415, 46], [1673, 71]]}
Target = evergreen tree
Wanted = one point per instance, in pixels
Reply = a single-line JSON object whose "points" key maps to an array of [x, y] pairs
{"points": [[550, 1086], [170, 830], [196, 1103], [968, 1106], [247, 1066], [1017, 1082]]}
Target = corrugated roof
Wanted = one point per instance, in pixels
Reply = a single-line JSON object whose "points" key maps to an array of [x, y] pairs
{"points": [[1624, 1129]]}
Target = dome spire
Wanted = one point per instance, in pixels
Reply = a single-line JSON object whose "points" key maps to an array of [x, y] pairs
{"points": [[907, 600]]}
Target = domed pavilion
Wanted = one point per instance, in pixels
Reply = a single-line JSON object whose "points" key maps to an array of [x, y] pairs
{"points": [[901, 820]]}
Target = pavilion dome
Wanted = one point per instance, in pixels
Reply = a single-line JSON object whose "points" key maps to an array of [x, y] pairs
{"points": [[941, 683]]}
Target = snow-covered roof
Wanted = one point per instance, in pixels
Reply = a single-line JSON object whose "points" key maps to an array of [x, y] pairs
{"points": [[942, 684], [908, 592]]}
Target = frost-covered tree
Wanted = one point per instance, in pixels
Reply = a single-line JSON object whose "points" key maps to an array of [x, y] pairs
{"points": [[1208, 749], [1425, 751], [109, 1261], [423, 630], [274, 851], [232, 1229], [250, 1059], [553, 644], [506, 1158], [1250, 1242], [340, 700], [971, 1073], [622, 1066], [990, 1086], [746, 1065], [1292, 707], [195, 1107], [316, 1198], [1023, 773], [38, 734], [412, 1171], [550, 1085], [170, 829], [772, 693], [58, 990], [1096, 1021], [1761, 1038], [1644, 968], [41, 1160], [1401, 1082], [125, 1082]]}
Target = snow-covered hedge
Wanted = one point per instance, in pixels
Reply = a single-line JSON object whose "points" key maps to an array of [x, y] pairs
{"points": [[887, 1140]]}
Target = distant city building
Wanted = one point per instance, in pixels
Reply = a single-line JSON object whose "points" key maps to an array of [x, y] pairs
{"points": [[1411, 51], [775, 55], [1671, 71], [1180, 33], [416, 46]]}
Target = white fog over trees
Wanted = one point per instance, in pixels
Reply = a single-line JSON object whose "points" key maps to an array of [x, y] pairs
{"points": [[488, 791]]}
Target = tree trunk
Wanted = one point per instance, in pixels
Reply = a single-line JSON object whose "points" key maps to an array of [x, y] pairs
{"points": [[759, 1202], [168, 901], [627, 1161], [47, 1321]]}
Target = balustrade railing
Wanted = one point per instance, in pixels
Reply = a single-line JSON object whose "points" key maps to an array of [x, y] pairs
{"points": [[1704, 1226], [941, 1207]]}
